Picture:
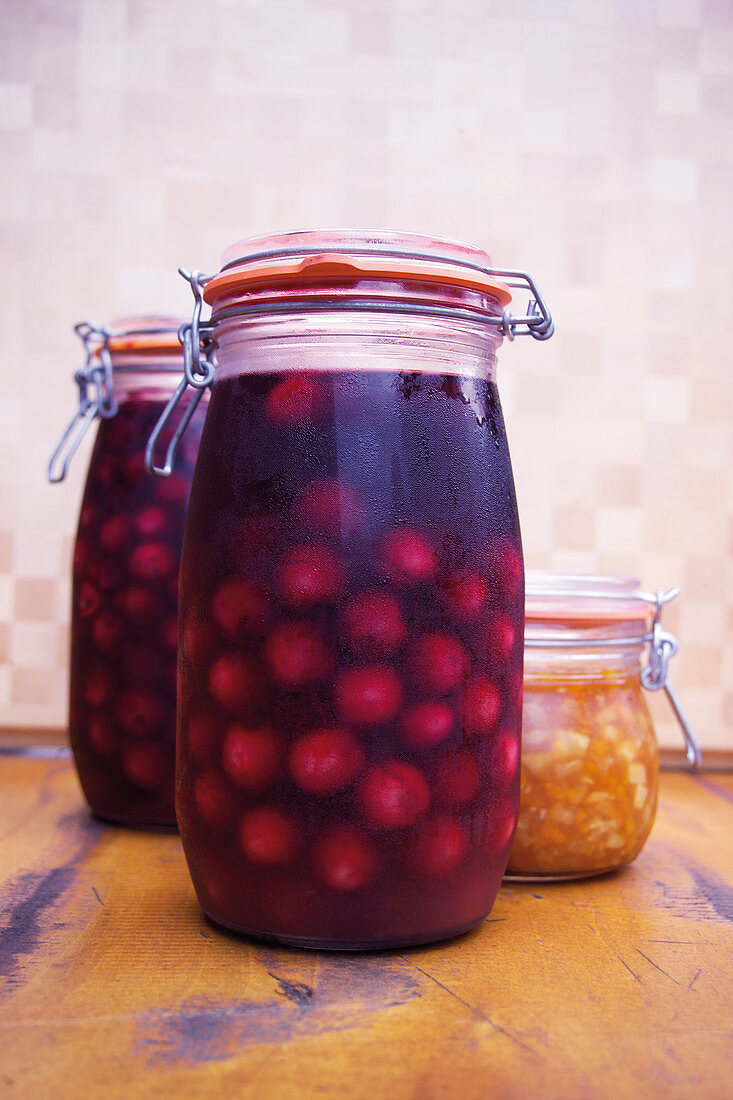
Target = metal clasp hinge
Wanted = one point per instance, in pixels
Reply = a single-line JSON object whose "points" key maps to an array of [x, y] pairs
{"points": [[662, 647], [198, 372], [537, 321], [96, 375]]}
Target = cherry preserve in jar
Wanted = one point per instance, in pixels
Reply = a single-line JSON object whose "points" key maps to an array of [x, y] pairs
{"points": [[352, 593], [122, 707], [589, 751]]}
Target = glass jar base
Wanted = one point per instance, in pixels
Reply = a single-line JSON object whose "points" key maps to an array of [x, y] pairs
{"points": [[312, 943], [560, 876], [130, 823]]}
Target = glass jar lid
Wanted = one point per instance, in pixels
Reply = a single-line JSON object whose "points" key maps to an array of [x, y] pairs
{"points": [[136, 336], [368, 270], [349, 265], [556, 598]]}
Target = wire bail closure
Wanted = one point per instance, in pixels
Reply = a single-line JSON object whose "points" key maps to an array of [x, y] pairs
{"points": [[662, 647], [198, 372], [96, 375], [537, 322]]}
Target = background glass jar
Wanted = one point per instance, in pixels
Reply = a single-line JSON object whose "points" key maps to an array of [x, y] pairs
{"points": [[589, 751], [351, 594], [125, 575]]}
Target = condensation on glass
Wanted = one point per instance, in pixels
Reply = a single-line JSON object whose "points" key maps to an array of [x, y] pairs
{"points": [[351, 591]]}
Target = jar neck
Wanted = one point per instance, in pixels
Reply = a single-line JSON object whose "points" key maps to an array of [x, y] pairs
{"points": [[583, 652], [346, 340], [145, 376]]}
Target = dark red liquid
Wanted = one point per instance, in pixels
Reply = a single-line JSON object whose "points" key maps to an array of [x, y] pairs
{"points": [[351, 667], [125, 622]]}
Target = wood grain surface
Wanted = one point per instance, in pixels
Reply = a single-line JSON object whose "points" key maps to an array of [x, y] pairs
{"points": [[113, 984]]}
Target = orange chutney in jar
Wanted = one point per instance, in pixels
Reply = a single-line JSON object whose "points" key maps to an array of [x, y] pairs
{"points": [[589, 751]]}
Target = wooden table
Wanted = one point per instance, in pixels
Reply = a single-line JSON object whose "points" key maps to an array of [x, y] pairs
{"points": [[113, 984]]}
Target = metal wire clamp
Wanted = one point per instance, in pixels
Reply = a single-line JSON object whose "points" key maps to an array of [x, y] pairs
{"points": [[662, 647], [96, 396], [198, 372]]}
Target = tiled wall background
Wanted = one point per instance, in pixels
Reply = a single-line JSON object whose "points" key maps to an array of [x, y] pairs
{"points": [[589, 141]]}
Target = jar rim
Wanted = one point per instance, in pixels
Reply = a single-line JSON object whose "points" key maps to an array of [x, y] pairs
{"points": [[144, 333], [592, 599], [348, 256]]}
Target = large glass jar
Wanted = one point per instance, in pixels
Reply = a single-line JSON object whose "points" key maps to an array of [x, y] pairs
{"points": [[589, 751], [351, 595], [122, 706]]}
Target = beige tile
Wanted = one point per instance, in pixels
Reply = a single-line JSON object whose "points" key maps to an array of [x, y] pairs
{"points": [[590, 146]]}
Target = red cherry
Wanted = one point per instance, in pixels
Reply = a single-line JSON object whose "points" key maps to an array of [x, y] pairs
{"points": [[297, 400], [481, 706], [441, 846], [296, 654], [368, 696], [267, 836], [98, 686], [107, 630], [344, 859], [152, 561], [506, 567], [426, 725], [310, 574], [202, 733], [151, 521], [105, 574], [438, 663], [146, 765], [456, 778], [214, 801], [393, 795], [330, 507], [88, 600], [102, 734], [500, 638], [373, 624], [465, 593], [506, 755], [407, 558], [106, 470], [139, 713], [139, 603], [133, 468], [198, 639], [114, 533], [251, 757], [500, 826], [235, 681], [324, 761], [239, 607]]}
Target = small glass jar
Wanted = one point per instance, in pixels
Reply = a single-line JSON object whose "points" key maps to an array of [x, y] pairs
{"points": [[351, 594], [589, 751], [124, 632]]}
